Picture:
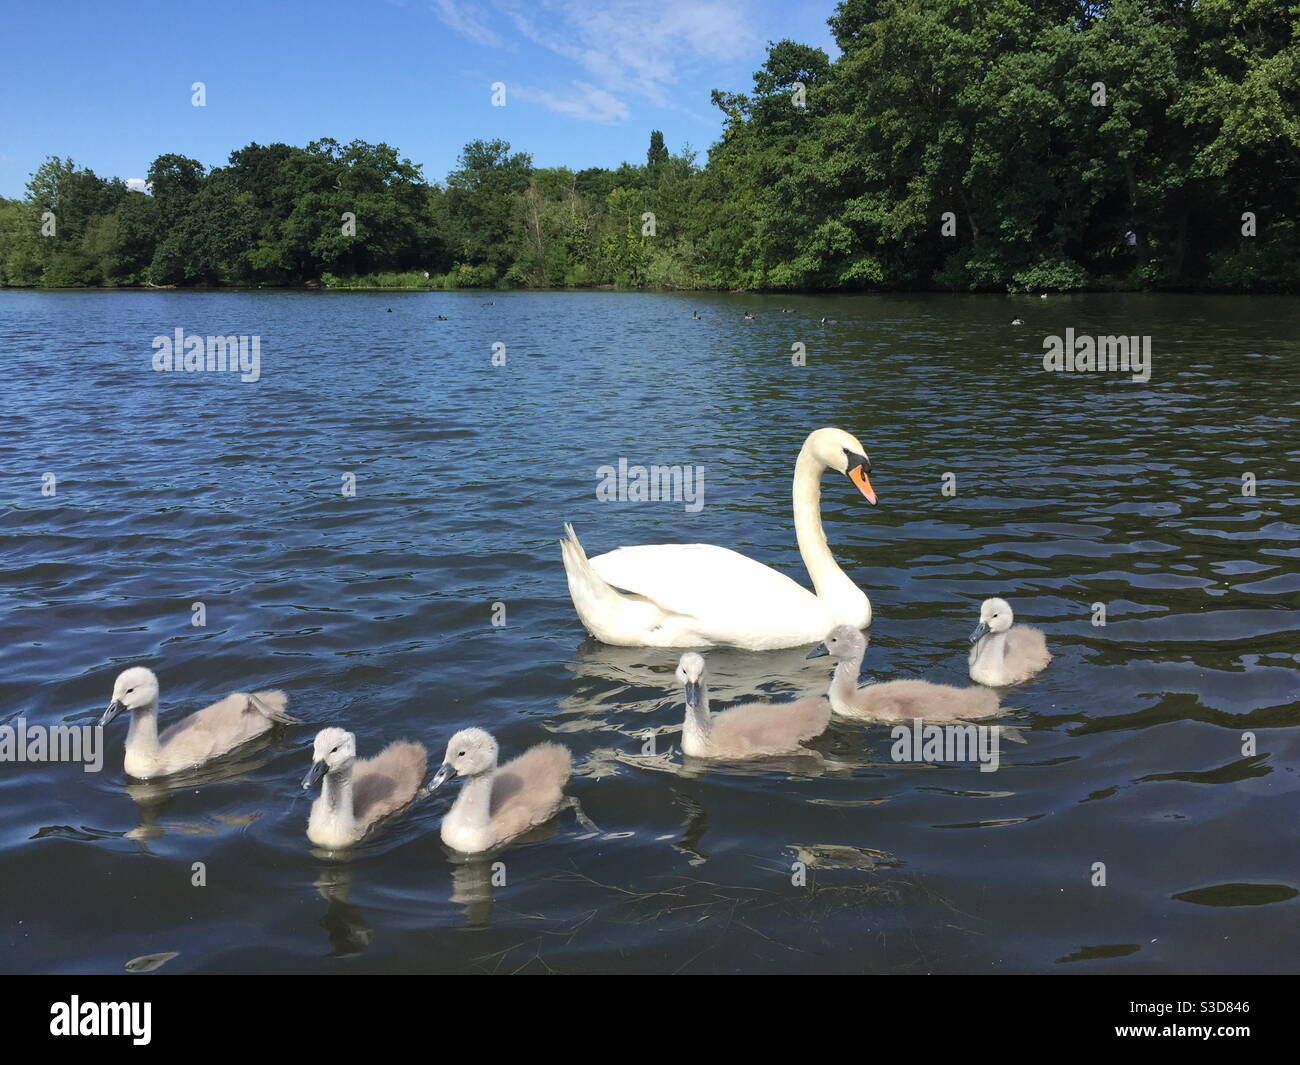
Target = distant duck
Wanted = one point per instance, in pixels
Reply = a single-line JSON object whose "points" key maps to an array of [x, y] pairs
{"points": [[357, 795], [830, 321], [748, 316], [1003, 653], [442, 318], [695, 317], [204, 735], [895, 700], [1017, 321], [390, 310], [787, 310], [496, 805], [1043, 296], [752, 730]]}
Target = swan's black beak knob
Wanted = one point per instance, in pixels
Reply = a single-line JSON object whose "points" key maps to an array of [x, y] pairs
{"points": [[314, 774], [114, 708]]}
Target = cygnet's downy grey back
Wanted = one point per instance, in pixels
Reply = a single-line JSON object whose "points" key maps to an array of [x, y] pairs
{"points": [[201, 737], [1003, 653], [497, 804], [357, 795], [895, 700], [751, 730]]}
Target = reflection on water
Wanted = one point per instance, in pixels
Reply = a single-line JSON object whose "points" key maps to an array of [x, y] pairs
{"points": [[1164, 743], [343, 923]]}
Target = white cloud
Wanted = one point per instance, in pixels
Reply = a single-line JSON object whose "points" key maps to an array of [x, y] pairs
{"points": [[137, 184], [582, 100], [463, 17], [623, 48]]}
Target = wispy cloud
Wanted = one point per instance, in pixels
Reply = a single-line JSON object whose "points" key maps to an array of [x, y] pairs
{"points": [[582, 100], [621, 49], [463, 17]]}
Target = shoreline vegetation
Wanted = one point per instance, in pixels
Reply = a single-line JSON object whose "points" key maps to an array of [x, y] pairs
{"points": [[1004, 146]]}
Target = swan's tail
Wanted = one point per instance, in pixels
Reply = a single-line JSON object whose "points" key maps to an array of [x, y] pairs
{"points": [[593, 598], [271, 705]]}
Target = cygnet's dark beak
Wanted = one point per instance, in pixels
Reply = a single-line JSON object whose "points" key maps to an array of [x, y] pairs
{"points": [[818, 651], [692, 693], [114, 708], [981, 630], [314, 774], [445, 773]]}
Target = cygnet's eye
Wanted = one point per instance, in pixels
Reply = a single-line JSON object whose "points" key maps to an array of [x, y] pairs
{"points": [[335, 751], [129, 691], [461, 755]]}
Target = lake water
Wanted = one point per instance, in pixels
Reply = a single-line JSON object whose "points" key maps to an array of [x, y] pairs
{"points": [[376, 612]]}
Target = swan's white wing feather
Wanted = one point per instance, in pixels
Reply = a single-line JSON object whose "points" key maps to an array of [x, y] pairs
{"points": [[704, 581]]}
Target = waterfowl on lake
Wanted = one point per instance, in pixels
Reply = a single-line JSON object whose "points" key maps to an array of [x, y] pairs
{"points": [[357, 795], [496, 805], [830, 321], [692, 595], [695, 317], [748, 316], [752, 730], [443, 318], [1003, 653], [204, 735], [895, 700], [1017, 321]]}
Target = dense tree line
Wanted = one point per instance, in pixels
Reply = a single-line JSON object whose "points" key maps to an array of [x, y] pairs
{"points": [[957, 144]]}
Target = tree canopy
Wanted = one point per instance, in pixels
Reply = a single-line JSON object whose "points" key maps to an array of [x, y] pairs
{"points": [[954, 144]]}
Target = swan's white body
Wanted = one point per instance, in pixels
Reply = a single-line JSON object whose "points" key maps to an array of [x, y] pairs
{"points": [[695, 595]]}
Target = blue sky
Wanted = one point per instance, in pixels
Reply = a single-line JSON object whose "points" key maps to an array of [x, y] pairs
{"points": [[109, 84]]}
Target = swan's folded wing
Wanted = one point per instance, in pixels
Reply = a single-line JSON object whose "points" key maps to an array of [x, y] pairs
{"points": [[388, 781], [529, 789], [698, 580]]}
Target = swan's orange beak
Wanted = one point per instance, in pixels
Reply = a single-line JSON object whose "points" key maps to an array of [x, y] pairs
{"points": [[858, 475]]}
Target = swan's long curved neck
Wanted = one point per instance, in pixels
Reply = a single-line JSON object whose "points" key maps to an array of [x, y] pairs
{"points": [[473, 806], [990, 650], [337, 792], [696, 725], [844, 682], [830, 582], [142, 735]]}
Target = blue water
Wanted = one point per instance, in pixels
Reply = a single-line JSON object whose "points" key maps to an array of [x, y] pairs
{"points": [[375, 612]]}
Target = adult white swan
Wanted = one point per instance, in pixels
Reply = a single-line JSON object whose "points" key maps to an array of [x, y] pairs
{"points": [[693, 595]]}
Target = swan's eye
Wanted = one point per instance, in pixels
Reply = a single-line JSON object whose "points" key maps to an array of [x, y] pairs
{"points": [[461, 755], [335, 751], [129, 691]]}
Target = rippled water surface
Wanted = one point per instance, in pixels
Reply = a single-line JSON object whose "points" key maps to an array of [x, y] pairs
{"points": [[376, 612]]}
